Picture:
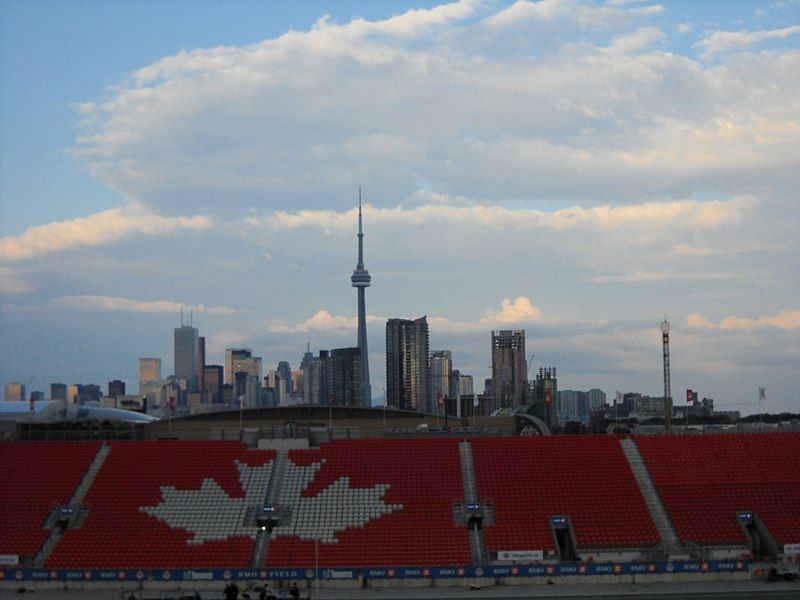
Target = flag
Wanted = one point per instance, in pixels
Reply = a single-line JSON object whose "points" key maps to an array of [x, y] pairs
{"points": [[691, 396], [32, 405], [172, 402], [548, 398], [440, 399], [330, 399], [762, 393], [475, 401]]}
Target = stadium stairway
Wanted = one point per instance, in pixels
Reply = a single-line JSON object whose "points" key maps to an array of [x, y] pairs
{"points": [[670, 546], [477, 544], [273, 493], [76, 500]]}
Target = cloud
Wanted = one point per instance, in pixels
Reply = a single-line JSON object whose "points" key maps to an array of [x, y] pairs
{"points": [[11, 283], [95, 230], [520, 311], [510, 313], [117, 304], [722, 41], [699, 322], [783, 320], [686, 213], [322, 320], [449, 104]]}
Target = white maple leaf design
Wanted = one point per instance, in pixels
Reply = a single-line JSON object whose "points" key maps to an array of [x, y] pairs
{"points": [[210, 514], [336, 508]]}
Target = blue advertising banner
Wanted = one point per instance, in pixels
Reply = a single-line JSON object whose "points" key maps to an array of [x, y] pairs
{"points": [[351, 573]]}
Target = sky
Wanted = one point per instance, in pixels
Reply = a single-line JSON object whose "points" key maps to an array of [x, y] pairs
{"points": [[580, 170]]}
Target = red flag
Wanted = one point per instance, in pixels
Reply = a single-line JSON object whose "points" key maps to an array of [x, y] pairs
{"points": [[440, 399], [172, 402], [691, 396], [548, 398]]}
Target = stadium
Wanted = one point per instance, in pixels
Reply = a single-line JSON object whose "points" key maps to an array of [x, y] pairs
{"points": [[393, 507]]}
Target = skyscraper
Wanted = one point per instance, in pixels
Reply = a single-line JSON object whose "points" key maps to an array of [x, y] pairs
{"points": [[407, 364], [361, 280], [441, 367], [187, 356], [232, 355], [346, 375], [509, 367]]}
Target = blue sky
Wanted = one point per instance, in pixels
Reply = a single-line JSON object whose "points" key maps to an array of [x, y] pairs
{"points": [[576, 169]]}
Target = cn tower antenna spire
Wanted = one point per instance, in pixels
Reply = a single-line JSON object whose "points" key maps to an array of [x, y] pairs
{"points": [[361, 280]]}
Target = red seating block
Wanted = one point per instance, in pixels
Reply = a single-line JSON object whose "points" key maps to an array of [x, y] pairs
{"points": [[585, 477], [35, 477], [704, 480]]}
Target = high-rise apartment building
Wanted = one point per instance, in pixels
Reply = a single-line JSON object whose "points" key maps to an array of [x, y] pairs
{"points": [[509, 367], [440, 370], [346, 377], [318, 379], [187, 357], [407, 364]]}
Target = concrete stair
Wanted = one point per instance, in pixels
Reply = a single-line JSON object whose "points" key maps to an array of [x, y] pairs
{"points": [[670, 544]]}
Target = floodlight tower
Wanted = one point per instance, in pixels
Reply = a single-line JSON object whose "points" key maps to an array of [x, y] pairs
{"points": [[665, 326], [361, 280]]}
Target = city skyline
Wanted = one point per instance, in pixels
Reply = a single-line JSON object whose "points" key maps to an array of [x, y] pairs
{"points": [[579, 170]]}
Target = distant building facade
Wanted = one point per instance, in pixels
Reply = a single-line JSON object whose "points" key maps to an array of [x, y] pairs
{"points": [[212, 383], [407, 348], [440, 370], [15, 392], [187, 357], [58, 391], [346, 377], [116, 388], [509, 367]]}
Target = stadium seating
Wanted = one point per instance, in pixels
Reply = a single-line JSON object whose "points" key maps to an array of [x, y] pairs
{"points": [[705, 480], [421, 479], [35, 477], [387, 502], [586, 478], [119, 532]]}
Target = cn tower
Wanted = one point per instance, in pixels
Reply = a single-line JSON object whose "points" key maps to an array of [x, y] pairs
{"points": [[360, 280]]}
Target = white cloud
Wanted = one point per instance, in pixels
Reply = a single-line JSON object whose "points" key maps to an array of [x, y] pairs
{"points": [[722, 41], [639, 40], [685, 213], [699, 322], [11, 283], [117, 304], [463, 111], [523, 10], [783, 320], [95, 230], [521, 310]]}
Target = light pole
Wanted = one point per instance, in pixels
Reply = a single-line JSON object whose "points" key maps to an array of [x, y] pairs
{"points": [[665, 326]]}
